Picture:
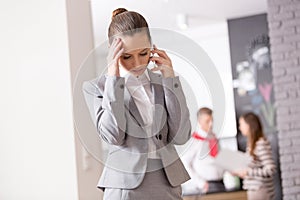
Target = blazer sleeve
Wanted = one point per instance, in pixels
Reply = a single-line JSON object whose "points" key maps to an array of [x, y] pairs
{"points": [[178, 116], [107, 108]]}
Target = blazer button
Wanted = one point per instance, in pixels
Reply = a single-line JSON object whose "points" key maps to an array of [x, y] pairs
{"points": [[176, 85], [121, 86]]}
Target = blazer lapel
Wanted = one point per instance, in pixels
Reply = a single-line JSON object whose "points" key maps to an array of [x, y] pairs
{"points": [[157, 89], [159, 113]]}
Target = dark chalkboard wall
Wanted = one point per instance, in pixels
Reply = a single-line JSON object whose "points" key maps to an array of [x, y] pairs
{"points": [[252, 74]]}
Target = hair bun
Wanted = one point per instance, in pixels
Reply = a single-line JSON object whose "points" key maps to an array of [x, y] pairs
{"points": [[118, 11]]}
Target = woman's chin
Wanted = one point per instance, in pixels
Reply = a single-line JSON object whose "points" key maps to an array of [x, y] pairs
{"points": [[138, 72]]}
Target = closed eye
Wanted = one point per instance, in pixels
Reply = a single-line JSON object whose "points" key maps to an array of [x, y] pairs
{"points": [[144, 54], [126, 57]]}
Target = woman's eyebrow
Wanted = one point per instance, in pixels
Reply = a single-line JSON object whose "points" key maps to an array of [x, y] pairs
{"points": [[139, 52], [144, 49]]}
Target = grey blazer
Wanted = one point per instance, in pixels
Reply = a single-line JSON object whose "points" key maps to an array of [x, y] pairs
{"points": [[119, 123]]}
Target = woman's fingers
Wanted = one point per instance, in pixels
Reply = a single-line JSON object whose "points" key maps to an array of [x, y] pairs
{"points": [[165, 70], [158, 60], [159, 68], [115, 44], [114, 54], [163, 62], [117, 49], [114, 50], [161, 53], [119, 53]]}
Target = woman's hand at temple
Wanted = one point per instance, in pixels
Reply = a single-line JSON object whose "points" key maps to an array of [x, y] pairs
{"points": [[115, 51]]}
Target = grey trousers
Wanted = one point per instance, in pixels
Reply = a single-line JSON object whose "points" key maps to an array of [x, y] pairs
{"points": [[154, 186]]}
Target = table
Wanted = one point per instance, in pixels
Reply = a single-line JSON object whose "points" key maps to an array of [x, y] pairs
{"points": [[236, 195]]}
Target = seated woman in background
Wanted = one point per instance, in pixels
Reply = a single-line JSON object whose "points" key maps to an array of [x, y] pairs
{"points": [[258, 178]]}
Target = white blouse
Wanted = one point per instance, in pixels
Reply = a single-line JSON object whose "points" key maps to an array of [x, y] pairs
{"points": [[140, 90]]}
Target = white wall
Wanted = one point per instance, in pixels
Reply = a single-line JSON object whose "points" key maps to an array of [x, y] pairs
{"points": [[37, 152], [81, 43], [214, 40]]}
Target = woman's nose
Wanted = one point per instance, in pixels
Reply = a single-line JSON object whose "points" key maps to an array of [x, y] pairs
{"points": [[137, 62]]}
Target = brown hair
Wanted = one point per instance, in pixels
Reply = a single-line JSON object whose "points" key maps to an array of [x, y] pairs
{"points": [[256, 130], [128, 23], [204, 110]]}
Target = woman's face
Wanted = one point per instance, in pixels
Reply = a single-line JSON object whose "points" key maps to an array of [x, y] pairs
{"points": [[136, 53], [244, 127]]}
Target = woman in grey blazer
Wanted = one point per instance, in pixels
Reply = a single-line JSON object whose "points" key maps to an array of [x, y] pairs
{"points": [[140, 114]]}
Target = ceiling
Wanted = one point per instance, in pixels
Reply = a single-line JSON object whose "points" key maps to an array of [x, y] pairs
{"points": [[162, 13]]}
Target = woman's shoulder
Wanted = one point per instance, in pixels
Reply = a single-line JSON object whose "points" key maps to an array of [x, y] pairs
{"points": [[263, 143], [92, 84], [262, 140]]}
